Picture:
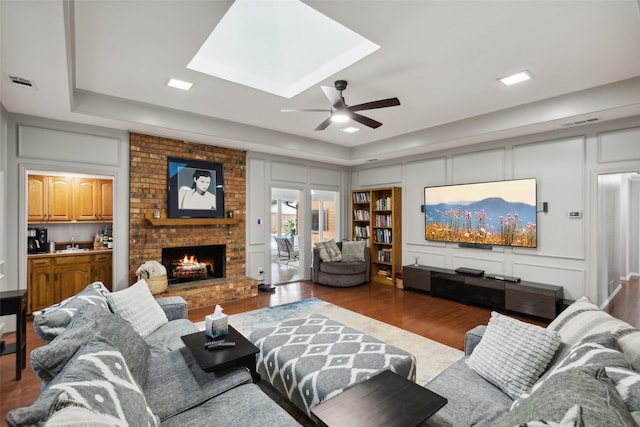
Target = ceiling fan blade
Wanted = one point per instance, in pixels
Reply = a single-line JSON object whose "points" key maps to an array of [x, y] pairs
{"points": [[304, 110], [325, 124], [334, 97], [382, 103], [365, 120]]}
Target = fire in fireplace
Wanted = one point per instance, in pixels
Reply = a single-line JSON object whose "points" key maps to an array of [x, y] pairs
{"points": [[191, 263]]}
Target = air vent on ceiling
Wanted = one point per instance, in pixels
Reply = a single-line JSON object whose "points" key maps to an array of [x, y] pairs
{"points": [[22, 82], [581, 122]]}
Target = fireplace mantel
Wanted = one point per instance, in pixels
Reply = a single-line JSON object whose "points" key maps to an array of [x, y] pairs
{"points": [[159, 222]]}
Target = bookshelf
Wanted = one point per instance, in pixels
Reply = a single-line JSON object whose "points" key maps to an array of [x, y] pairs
{"points": [[376, 218]]}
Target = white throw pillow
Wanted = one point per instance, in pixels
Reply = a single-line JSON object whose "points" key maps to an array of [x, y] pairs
{"points": [[512, 354], [137, 306], [329, 251], [353, 251]]}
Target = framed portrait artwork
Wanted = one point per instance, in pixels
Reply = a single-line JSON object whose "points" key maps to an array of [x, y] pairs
{"points": [[196, 189]]}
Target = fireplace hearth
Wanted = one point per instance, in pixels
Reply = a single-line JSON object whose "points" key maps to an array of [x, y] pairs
{"points": [[192, 263]]}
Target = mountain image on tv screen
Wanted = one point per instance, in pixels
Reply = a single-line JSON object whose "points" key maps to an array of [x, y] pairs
{"points": [[501, 213]]}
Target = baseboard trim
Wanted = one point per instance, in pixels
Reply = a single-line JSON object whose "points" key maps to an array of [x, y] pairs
{"points": [[610, 297]]}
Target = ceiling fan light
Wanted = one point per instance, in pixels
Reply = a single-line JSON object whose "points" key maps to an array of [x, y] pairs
{"points": [[340, 117]]}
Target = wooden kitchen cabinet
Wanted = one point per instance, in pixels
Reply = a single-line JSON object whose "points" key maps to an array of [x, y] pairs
{"points": [[93, 199], [50, 198], [52, 278], [103, 270], [105, 207], [41, 284], [72, 275]]}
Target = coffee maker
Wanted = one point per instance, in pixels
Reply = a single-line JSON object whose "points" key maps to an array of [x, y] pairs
{"points": [[36, 240]]}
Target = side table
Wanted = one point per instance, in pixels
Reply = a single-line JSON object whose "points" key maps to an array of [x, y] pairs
{"points": [[243, 354], [15, 302]]}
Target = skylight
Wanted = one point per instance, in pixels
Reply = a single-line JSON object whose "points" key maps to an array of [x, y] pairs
{"points": [[281, 47]]}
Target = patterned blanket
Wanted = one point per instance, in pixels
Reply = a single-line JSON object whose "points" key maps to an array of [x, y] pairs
{"points": [[312, 359]]}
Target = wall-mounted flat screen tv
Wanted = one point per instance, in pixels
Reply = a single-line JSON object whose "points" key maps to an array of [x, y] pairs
{"points": [[500, 213]]}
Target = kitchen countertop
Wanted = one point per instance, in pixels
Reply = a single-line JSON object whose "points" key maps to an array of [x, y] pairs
{"points": [[56, 254]]}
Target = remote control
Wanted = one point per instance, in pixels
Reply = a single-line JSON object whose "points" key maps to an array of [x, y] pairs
{"points": [[211, 345]]}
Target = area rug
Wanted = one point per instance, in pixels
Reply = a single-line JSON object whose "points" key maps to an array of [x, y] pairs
{"points": [[431, 356]]}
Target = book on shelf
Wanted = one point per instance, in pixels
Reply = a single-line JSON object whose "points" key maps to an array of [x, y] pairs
{"points": [[361, 215], [384, 255], [361, 197], [383, 220], [384, 272], [383, 204], [361, 231], [383, 236]]}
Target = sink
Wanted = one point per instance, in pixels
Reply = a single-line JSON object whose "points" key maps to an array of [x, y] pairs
{"points": [[70, 251]]}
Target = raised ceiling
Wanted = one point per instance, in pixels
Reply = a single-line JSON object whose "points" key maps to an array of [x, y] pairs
{"points": [[106, 63]]}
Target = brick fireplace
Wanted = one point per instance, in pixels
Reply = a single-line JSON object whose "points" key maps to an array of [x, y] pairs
{"points": [[148, 192]]}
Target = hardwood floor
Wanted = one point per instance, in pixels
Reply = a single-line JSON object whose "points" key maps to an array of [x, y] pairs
{"points": [[435, 318]]}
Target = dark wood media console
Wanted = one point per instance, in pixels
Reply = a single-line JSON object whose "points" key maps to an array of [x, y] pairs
{"points": [[535, 299]]}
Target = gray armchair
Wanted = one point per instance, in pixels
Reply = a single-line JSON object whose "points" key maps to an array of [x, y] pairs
{"points": [[341, 274]]}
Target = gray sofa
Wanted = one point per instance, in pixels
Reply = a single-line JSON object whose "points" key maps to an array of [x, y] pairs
{"points": [[593, 375], [97, 367], [339, 273]]}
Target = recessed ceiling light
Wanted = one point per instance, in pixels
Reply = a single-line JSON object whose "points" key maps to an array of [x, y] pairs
{"points": [[179, 84], [515, 78], [350, 129], [285, 47]]}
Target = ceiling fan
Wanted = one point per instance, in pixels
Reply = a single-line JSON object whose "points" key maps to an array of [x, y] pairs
{"points": [[341, 112]]}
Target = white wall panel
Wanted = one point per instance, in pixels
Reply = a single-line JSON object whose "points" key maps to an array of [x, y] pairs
{"points": [[619, 145], [49, 144], [432, 259], [417, 176], [572, 280], [257, 202], [558, 167], [382, 176], [289, 172], [324, 176], [489, 266], [256, 260], [478, 167]]}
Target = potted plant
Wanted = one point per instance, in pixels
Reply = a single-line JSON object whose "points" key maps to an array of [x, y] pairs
{"points": [[289, 227]]}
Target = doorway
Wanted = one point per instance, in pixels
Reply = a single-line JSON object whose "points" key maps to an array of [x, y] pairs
{"points": [[285, 237], [618, 230]]}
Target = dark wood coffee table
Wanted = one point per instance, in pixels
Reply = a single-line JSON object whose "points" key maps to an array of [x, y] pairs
{"points": [[386, 399], [243, 354]]}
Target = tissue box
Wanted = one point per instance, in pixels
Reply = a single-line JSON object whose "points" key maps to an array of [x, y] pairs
{"points": [[216, 326]]}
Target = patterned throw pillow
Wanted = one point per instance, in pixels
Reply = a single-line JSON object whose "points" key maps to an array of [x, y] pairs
{"points": [[512, 354], [600, 350], [97, 379], [51, 322], [137, 306], [573, 418], [329, 251], [588, 387], [353, 251], [100, 381], [47, 361], [583, 318]]}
